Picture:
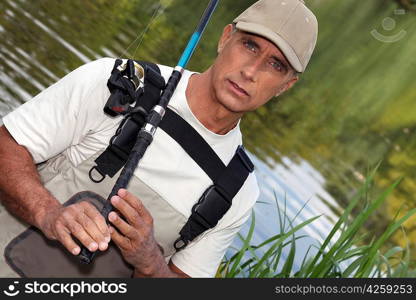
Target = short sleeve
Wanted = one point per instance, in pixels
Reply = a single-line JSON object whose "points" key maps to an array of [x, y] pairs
{"points": [[61, 115]]}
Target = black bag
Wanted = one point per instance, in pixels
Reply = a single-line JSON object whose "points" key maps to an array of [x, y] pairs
{"points": [[31, 254]]}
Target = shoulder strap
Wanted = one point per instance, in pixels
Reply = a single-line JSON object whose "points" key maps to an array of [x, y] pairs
{"points": [[227, 180], [117, 153]]}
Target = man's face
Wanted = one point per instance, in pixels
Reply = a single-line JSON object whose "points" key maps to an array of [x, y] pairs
{"points": [[248, 71]]}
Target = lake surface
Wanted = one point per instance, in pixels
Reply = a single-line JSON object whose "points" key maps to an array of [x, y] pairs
{"points": [[311, 148]]}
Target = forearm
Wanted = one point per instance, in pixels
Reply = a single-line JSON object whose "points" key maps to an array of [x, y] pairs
{"points": [[161, 270], [21, 189], [158, 268]]}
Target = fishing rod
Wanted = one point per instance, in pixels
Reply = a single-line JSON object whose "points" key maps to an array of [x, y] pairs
{"points": [[147, 132]]}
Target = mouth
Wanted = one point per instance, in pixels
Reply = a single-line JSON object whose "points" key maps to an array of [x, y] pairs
{"points": [[237, 89]]}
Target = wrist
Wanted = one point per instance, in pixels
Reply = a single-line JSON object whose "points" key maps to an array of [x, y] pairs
{"points": [[44, 214], [157, 267], [156, 271]]}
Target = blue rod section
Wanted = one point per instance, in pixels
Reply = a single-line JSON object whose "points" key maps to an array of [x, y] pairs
{"points": [[189, 50], [193, 42]]}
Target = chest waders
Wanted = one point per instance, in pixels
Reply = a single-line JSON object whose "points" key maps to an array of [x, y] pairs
{"points": [[30, 254]]}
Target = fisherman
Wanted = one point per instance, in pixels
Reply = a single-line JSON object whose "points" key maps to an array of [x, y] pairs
{"points": [[49, 144]]}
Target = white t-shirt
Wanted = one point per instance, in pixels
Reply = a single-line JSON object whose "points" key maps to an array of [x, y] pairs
{"points": [[68, 117]]}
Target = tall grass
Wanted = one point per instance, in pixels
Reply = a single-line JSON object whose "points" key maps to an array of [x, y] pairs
{"points": [[343, 253]]}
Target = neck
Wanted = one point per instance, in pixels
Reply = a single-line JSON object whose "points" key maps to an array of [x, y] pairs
{"points": [[206, 107]]}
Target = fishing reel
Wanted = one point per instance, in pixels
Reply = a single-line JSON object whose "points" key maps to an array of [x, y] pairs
{"points": [[126, 86]]}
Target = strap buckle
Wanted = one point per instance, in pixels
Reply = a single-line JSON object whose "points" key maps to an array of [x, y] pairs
{"points": [[210, 208], [180, 244], [99, 172]]}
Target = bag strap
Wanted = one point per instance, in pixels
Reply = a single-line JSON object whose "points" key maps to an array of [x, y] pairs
{"points": [[227, 180], [116, 154]]}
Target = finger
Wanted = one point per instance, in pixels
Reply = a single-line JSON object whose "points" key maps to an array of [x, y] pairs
{"points": [[118, 239], [92, 212], [125, 228], [93, 231], [78, 231], [136, 203], [130, 213], [64, 237]]}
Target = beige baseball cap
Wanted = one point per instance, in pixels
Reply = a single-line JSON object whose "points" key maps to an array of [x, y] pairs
{"points": [[289, 24]]}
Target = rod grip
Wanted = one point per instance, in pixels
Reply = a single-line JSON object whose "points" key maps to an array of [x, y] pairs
{"points": [[170, 88], [143, 141]]}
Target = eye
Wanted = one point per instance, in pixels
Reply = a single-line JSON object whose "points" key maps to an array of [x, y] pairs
{"points": [[277, 65], [250, 45]]}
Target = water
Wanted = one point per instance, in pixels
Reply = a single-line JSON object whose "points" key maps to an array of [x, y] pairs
{"points": [[302, 169]]}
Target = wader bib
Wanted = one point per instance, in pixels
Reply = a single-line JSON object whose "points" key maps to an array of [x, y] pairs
{"points": [[23, 257], [32, 255]]}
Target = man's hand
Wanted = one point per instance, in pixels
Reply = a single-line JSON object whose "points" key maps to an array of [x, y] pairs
{"points": [[134, 236], [81, 220]]}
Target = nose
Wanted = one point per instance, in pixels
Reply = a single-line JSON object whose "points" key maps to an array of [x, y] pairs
{"points": [[251, 69]]}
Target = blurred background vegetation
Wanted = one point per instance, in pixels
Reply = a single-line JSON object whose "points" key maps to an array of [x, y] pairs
{"points": [[354, 106]]}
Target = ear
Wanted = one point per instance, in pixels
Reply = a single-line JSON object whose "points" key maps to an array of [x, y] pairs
{"points": [[226, 35], [287, 85]]}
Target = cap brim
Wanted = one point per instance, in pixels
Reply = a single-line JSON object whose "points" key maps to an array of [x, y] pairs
{"points": [[286, 49]]}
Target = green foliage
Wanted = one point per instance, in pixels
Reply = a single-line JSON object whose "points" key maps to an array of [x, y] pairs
{"points": [[354, 106], [344, 252]]}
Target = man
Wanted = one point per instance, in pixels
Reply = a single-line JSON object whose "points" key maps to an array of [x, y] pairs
{"points": [[61, 131]]}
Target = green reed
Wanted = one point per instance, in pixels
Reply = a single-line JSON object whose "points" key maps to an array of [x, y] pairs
{"points": [[343, 253]]}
